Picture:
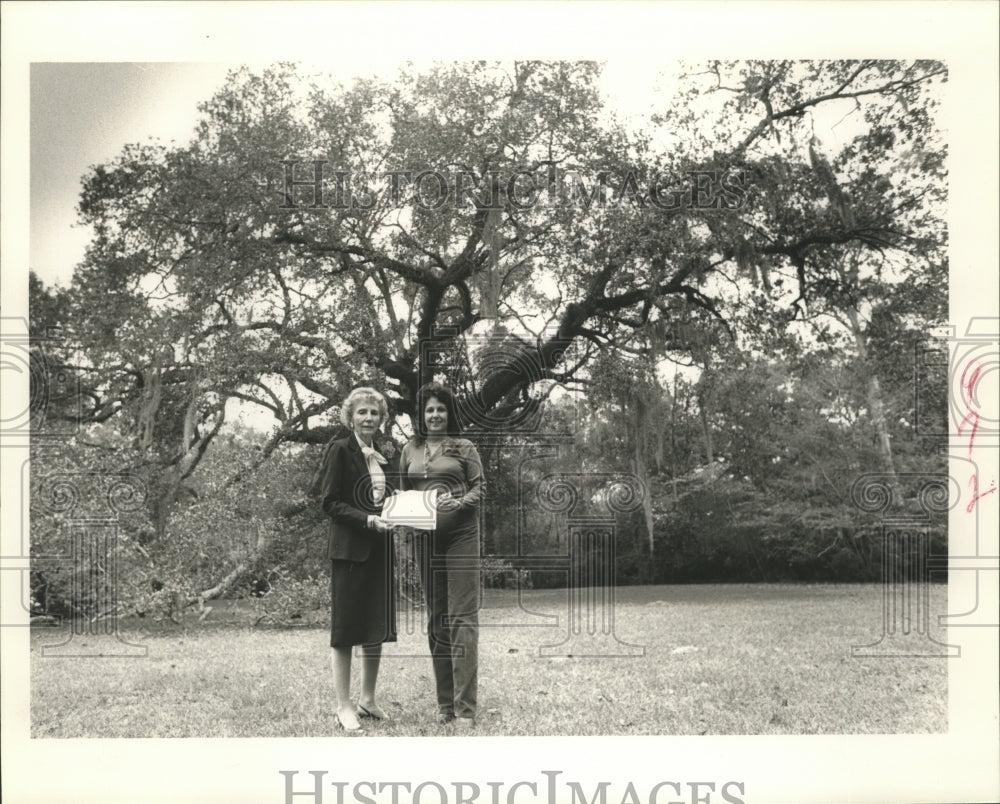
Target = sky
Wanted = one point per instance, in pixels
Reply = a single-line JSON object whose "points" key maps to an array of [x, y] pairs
{"points": [[83, 113]]}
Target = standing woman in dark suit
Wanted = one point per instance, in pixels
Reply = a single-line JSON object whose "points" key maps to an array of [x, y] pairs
{"points": [[353, 486], [450, 559]]}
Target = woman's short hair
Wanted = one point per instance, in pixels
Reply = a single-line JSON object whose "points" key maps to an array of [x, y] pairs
{"points": [[363, 394], [446, 398]]}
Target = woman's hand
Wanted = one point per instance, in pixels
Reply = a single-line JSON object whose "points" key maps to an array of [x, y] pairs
{"points": [[445, 502]]}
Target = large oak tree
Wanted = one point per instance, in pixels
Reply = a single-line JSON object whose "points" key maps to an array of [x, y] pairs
{"points": [[461, 231]]}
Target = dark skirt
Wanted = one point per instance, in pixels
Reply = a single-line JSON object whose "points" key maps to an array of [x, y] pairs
{"points": [[363, 598]]}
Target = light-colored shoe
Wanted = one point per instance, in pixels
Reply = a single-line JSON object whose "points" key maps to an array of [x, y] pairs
{"points": [[348, 721], [465, 723]]}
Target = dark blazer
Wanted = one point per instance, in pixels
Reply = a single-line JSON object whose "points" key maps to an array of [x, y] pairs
{"points": [[346, 497]]}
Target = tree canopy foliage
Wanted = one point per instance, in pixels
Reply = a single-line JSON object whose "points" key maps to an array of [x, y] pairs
{"points": [[494, 224]]}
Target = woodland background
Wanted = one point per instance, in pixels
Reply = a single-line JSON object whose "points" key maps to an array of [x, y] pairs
{"points": [[744, 364]]}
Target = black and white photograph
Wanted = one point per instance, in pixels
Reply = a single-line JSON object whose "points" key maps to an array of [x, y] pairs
{"points": [[493, 402]]}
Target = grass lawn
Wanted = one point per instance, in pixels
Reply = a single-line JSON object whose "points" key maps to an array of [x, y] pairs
{"points": [[717, 659]]}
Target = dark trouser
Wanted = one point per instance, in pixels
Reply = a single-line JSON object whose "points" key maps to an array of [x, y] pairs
{"points": [[450, 572]]}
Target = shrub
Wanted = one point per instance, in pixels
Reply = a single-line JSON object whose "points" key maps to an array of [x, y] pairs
{"points": [[500, 574]]}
